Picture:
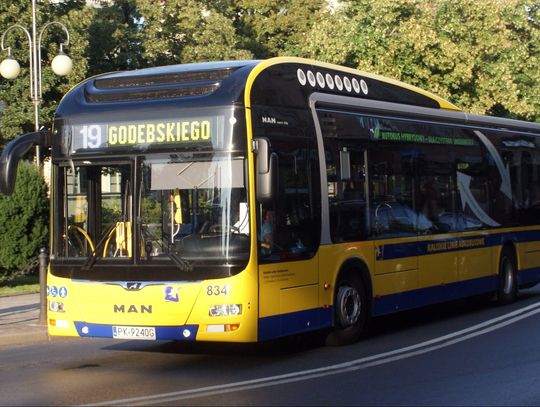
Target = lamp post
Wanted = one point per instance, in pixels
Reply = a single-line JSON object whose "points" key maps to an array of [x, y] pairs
{"points": [[10, 68]]}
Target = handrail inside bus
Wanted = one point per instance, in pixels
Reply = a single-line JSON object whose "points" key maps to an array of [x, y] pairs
{"points": [[12, 154], [83, 232]]}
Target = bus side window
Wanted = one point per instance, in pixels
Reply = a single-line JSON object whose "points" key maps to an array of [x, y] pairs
{"points": [[391, 186], [347, 198], [294, 214]]}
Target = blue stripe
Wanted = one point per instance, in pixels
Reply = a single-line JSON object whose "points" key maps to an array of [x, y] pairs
{"points": [[432, 295], [529, 276], [166, 333], [295, 322], [428, 247]]}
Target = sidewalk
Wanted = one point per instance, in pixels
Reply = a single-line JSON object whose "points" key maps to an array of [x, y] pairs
{"points": [[19, 320]]}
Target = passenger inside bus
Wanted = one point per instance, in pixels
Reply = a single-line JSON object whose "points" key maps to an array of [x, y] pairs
{"points": [[266, 237]]}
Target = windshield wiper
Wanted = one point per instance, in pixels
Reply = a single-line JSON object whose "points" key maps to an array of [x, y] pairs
{"points": [[93, 257], [182, 264], [89, 263]]}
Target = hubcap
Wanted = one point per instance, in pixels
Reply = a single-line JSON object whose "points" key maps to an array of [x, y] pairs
{"points": [[349, 305], [508, 277]]}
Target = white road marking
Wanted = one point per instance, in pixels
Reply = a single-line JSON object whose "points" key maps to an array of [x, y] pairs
{"points": [[357, 364]]}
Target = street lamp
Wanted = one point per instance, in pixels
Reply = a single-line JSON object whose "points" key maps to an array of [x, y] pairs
{"points": [[10, 68]]}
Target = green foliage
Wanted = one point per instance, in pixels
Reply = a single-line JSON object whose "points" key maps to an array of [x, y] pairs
{"points": [[16, 285], [483, 56], [114, 38], [181, 31], [18, 116], [271, 27], [23, 220]]}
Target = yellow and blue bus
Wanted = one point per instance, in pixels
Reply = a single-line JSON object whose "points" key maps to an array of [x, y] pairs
{"points": [[250, 200]]}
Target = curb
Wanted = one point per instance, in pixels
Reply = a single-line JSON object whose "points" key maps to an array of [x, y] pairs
{"points": [[24, 335], [19, 320]]}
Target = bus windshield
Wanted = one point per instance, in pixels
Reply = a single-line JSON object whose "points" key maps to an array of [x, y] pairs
{"points": [[185, 208], [193, 209]]}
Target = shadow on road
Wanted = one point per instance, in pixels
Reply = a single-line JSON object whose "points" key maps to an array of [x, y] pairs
{"points": [[379, 327]]}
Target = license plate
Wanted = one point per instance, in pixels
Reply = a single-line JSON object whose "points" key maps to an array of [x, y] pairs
{"points": [[134, 332]]}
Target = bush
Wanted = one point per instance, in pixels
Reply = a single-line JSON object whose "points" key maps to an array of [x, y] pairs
{"points": [[24, 220]]}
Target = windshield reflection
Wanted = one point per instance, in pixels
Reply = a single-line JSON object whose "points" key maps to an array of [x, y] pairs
{"points": [[194, 210]]}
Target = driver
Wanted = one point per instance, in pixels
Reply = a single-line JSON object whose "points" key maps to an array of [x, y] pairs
{"points": [[266, 235]]}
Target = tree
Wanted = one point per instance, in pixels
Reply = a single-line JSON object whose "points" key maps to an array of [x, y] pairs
{"points": [[114, 38], [270, 27], [23, 219], [180, 31], [17, 117], [483, 56]]}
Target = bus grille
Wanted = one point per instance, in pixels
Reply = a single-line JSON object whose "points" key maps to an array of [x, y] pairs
{"points": [[153, 87]]}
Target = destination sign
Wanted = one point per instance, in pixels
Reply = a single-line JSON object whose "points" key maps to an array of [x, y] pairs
{"points": [[144, 134]]}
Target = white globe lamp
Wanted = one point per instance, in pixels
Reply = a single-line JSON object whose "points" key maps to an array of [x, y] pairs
{"points": [[10, 68], [62, 64]]}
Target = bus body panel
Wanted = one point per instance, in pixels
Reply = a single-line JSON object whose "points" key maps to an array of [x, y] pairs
{"points": [[177, 310], [288, 297]]}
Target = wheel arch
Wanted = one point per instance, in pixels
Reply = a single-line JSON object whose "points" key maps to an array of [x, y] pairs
{"points": [[358, 265], [510, 244]]}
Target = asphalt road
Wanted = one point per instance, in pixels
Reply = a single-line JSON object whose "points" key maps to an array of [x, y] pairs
{"points": [[463, 353]]}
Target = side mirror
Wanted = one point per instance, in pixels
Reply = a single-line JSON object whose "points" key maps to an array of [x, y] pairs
{"points": [[265, 169], [12, 154]]}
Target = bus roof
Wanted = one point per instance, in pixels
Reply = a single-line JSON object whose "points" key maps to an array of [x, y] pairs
{"points": [[231, 82]]}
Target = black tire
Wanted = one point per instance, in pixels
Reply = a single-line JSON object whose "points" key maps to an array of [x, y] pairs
{"points": [[507, 289], [350, 310]]}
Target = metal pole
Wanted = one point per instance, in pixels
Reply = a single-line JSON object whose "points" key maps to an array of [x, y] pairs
{"points": [[43, 259], [36, 97], [35, 94]]}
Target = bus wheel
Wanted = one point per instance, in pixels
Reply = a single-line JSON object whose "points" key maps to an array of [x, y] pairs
{"points": [[350, 310], [507, 286]]}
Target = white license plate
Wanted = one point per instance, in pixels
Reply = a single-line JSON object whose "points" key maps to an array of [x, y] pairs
{"points": [[134, 332]]}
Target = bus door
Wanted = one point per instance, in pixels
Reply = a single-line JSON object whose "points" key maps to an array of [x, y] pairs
{"points": [[393, 220], [288, 238]]}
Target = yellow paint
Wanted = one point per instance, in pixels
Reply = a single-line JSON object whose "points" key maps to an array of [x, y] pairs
{"points": [[298, 298], [274, 278], [101, 303], [394, 283], [439, 267]]}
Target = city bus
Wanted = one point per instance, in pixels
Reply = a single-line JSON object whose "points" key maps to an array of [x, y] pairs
{"points": [[250, 200]]}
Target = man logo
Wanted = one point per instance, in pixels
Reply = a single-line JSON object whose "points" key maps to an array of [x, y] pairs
{"points": [[133, 286], [133, 309]]}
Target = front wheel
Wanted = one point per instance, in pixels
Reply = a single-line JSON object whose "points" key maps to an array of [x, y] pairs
{"points": [[507, 288], [350, 310]]}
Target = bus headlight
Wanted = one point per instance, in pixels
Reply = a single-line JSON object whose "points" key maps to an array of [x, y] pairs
{"points": [[56, 306], [224, 310]]}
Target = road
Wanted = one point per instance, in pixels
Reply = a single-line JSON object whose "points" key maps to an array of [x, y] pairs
{"points": [[463, 353]]}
